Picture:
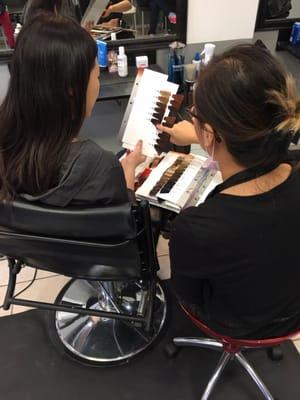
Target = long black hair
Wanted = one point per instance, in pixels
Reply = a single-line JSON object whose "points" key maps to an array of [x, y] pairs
{"points": [[36, 7], [45, 104]]}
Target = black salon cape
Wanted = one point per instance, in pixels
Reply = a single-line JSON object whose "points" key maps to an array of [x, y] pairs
{"points": [[89, 176]]}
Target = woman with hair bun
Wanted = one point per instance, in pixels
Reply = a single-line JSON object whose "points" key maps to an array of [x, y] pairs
{"points": [[235, 258]]}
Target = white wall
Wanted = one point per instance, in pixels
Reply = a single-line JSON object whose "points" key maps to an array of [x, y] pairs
{"points": [[295, 11], [216, 20]]}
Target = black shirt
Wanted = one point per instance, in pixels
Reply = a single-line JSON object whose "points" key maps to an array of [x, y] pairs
{"points": [[90, 175], [235, 260]]}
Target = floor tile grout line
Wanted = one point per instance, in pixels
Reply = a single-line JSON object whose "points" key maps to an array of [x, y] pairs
{"points": [[36, 279]]}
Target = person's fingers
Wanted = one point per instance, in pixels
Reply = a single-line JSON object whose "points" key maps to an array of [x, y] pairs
{"points": [[139, 146], [165, 129]]}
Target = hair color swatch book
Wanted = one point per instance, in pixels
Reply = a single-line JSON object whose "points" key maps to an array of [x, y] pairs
{"points": [[177, 181], [152, 100]]}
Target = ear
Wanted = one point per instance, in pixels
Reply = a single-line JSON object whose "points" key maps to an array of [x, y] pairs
{"points": [[208, 135]]}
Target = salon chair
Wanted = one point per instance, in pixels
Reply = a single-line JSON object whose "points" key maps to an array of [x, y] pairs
{"points": [[231, 349], [113, 308]]}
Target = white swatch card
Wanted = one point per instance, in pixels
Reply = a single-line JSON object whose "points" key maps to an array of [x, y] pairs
{"points": [[150, 90]]}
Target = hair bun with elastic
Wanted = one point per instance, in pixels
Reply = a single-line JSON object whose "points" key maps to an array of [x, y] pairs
{"points": [[288, 103]]}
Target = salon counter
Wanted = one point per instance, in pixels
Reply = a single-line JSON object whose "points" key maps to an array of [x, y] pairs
{"points": [[112, 87]]}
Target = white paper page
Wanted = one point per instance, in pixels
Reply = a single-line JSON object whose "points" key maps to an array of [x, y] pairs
{"points": [[139, 125], [217, 179]]}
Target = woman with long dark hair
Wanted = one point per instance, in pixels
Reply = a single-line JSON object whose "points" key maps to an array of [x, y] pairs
{"points": [[34, 7], [235, 258], [53, 87]]}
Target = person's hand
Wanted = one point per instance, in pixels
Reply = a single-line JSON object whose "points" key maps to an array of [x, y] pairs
{"points": [[89, 26], [135, 157], [107, 12], [130, 162], [182, 134]]}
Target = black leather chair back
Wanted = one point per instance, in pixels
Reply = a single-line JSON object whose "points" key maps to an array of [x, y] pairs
{"points": [[112, 243]]}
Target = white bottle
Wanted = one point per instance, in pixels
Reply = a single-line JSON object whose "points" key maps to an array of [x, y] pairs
{"points": [[122, 62], [209, 50]]}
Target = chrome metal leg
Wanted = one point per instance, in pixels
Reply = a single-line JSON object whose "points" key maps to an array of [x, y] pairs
{"points": [[198, 342], [243, 361], [225, 358], [106, 296]]}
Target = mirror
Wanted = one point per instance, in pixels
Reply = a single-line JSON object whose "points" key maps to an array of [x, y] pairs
{"points": [[274, 14], [143, 26], [135, 19], [280, 15]]}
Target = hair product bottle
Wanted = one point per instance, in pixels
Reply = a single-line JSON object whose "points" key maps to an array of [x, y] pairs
{"points": [[209, 50], [112, 57], [122, 62], [197, 61]]}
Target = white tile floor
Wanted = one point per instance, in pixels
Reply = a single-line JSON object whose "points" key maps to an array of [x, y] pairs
{"points": [[48, 285]]}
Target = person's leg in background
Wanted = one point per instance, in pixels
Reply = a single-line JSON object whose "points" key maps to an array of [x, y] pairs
{"points": [[155, 7], [163, 5], [154, 15], [169, 9]]}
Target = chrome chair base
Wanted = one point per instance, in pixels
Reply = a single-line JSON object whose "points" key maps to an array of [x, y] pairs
{"points": [[225, 358], [98, 340]]}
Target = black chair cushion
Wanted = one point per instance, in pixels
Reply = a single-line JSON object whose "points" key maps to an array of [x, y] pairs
{"points": [[90, 243], [106, 223]]}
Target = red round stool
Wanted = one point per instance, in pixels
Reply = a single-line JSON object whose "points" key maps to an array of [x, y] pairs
{"points": [[231, 349]]}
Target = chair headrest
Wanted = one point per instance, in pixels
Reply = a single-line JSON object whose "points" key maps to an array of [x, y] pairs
{"points": [[71, 222]]}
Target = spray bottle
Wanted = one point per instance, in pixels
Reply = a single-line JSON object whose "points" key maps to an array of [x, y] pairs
{"points": [[209, 50]]}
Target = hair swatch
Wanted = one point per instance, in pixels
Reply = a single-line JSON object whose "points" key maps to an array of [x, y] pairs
{"points": [[171, 175]]}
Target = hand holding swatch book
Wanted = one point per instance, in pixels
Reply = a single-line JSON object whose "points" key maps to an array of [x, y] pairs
{"points": [[168, 179]]}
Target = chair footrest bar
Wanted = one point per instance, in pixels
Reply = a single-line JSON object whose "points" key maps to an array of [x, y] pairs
{"points": [[75, 310]]}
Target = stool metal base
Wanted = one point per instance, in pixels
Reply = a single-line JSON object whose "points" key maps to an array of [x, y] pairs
{"points": [[226, 357], [105, 341]]}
